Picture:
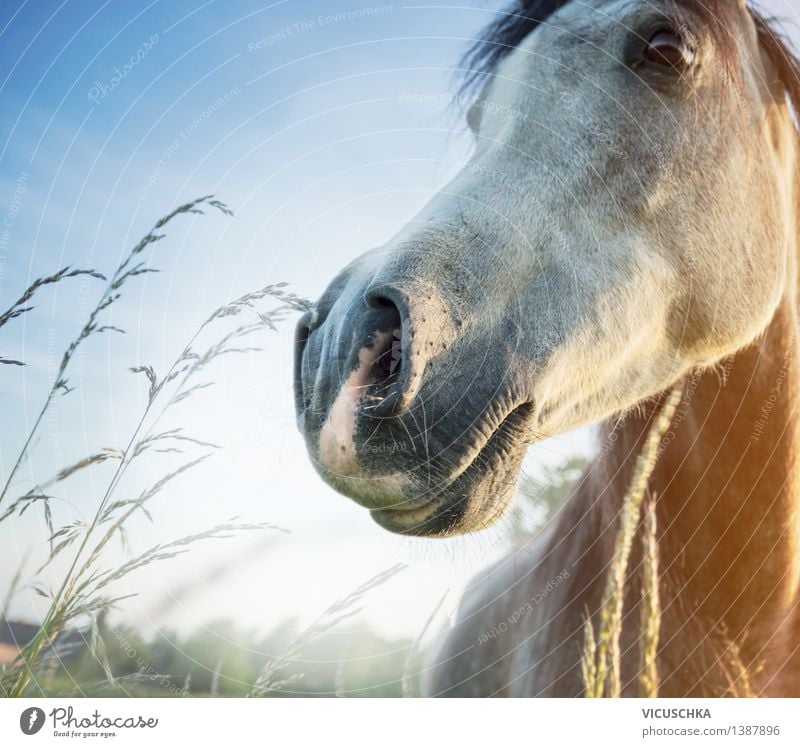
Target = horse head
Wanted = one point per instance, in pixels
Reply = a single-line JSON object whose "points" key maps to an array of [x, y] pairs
{"points": [[626, 217]]}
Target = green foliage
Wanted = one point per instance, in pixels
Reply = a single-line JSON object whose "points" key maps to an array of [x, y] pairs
{"points": [[222, 661], [541, 498]]}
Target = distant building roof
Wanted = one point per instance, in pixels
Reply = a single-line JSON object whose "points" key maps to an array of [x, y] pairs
{"points": [[17, 633]]}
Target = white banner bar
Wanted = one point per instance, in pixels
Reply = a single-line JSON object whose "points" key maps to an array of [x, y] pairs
{"points": [[400, 723]]}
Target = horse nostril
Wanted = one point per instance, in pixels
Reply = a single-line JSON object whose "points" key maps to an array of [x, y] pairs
{"points": [[389, 361], [389, 368]]}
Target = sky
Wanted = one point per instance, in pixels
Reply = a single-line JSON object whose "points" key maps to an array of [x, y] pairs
{"points": [[303, 117]]}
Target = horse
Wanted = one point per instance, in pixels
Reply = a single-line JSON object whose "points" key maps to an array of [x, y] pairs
{"points": [[626, 225]]}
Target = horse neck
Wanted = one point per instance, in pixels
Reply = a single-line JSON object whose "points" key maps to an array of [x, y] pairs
{"points": [[727, 507]]}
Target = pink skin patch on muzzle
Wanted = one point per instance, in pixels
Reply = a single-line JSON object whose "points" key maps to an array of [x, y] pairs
{"points": [[337, 448]]}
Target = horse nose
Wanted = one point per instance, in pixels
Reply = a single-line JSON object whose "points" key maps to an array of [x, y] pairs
{"points": [[301, 335], [364, 353]]}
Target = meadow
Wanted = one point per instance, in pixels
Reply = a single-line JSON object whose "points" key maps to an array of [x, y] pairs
{"points": [[78, 648]]}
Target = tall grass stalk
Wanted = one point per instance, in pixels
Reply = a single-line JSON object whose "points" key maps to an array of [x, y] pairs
{"points": [[270, 678], [601, 654], [408, 668], [650, 609], [131, 266], [82, 592]]}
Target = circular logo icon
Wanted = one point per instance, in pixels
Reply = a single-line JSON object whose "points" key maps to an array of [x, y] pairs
{"points": [[31, 720]]}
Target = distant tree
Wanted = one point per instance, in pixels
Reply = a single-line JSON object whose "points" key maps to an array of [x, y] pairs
{"points": [[540, 498]]}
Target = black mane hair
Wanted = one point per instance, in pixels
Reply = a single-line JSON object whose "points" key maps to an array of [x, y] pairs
{"points": [[503, 35], [521, 17], [784, 60]]}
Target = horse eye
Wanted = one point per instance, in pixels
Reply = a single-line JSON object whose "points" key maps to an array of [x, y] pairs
{"points": [[667, 48]]}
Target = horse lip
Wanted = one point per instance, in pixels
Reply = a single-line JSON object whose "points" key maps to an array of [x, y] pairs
{"points": [[415, 516], [515, 418], [407, 520]]}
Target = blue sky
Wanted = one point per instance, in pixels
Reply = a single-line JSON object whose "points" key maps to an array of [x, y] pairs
{"points": [[296, 114]]}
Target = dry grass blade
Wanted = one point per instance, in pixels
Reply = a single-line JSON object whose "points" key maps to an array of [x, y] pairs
{"points": [[650, 619], [97, 647], [132, 506], [248, 300], [589, 659], [80, 591], [165, 551], [151, 377], [407, 686], [19, 307], [158, 442], [605, 651], [127, 269], [187, 685], [340, 610], [65, 535], [81, 594], [213, 689], [339, 680], [96, 458], [24, 502], [737, 673]]}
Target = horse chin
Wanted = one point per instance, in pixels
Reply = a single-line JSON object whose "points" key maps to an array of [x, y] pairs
{"points": [[476, 497]]}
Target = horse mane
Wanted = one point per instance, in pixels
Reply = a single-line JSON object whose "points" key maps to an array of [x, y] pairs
{"points": [[521, 17], [784, 60]]}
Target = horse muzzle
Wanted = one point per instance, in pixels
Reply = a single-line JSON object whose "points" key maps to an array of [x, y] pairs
{"points": [[399, 415]]}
